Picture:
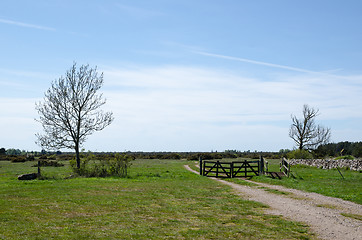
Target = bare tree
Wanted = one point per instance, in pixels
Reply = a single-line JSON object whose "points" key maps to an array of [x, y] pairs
{"points": [[306, 133], [71, 110]]}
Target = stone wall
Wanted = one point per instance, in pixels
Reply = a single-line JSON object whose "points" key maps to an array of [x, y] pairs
{"points": [[355, 164]]}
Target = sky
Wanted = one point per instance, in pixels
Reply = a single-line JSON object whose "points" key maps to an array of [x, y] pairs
{"points": [[187, 75]]}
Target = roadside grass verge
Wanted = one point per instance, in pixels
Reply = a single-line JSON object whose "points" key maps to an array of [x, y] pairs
{"points": [[312, 179], [275, 191], [159, 200], [354, 216], [322, 181]]}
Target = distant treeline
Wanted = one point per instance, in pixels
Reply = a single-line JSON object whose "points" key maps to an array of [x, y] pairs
{"points": [[194, 156], [339, 149], [17, 155], [327, 150]]}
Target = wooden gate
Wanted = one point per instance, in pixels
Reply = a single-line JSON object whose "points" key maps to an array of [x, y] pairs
{"points": [[216, 169], [285, 167], [246, 168], [229, 169]]}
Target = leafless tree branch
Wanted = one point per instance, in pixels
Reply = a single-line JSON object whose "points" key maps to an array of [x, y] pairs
{"points": [[71, 110], [305, 132]]}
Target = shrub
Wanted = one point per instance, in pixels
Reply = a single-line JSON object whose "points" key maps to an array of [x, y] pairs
{"points": [[299, 154], [82, 170], [204, 156], [92, 167], [65, 157], [52, 157], [30, 158], [349, 157], [46, 163], [174, 156], [17, 158], [119, 164]]}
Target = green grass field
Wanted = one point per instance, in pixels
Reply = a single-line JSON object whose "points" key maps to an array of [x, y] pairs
{"points": [[159, 200], [312, 179], [326, 182]]}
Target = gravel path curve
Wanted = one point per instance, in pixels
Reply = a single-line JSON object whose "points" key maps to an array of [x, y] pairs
{"points": [[321, 213]]}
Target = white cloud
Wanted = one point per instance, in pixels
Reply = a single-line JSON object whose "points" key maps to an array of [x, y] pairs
{"points": [[18, 125], [210, 90], [184, 108], [178, 108]]}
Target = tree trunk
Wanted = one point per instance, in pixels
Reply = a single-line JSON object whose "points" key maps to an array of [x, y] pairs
{"points": [[301, 143], [77, 156]]}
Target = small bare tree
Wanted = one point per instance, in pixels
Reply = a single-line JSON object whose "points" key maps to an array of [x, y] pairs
{"points": [[306, 133], [71, 110]]}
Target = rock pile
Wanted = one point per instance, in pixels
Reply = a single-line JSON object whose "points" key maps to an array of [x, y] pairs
{"points": [[29, 176], [355, 164]]}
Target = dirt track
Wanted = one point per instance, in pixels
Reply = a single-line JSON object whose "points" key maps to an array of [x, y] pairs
{"points": [[321, 213]]}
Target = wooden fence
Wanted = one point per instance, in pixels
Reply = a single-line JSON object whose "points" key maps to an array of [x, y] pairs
{"points": [[285, 167], [230, 169]]}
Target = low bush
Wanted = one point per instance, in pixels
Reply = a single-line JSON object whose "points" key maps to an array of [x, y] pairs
{"points": [[349, 157], [174, 156], [46, 163], [17, 159], [65, 157], [92, 167], [52, 157], [299, 154], [204, 156], [30, 158]]}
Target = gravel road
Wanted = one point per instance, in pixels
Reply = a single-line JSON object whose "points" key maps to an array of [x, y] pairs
{"points": [[321, 213]]}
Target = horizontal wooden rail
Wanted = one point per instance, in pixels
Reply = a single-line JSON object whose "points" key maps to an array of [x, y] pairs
{"points": [[230, 169], [285, 167]]}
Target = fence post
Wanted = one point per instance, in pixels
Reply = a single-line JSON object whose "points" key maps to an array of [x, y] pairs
{"points": [[217, 168], [231, 169], [200, 165], [288, 168], [39, 173], [261, 165]]}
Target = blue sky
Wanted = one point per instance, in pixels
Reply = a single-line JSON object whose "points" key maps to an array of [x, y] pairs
{"points": [[187, 75]]}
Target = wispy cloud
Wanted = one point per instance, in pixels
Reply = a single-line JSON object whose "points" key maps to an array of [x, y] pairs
{"points": [[273, 65], [184, 108], [26, 25], [187, 94], [211, 104]]}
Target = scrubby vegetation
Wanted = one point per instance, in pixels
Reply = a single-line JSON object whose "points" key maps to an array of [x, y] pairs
{"points": [[350, 157], [103, 165], [299, 154], [46, 163], [338, 149]]}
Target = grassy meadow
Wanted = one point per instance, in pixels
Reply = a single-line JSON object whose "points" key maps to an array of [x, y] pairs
{"points": [[159, 200], [323, 181], [312, 179]]}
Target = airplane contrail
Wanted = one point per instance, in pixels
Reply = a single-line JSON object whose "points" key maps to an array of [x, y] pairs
{"points": [[261, 63], [21, 24]]}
